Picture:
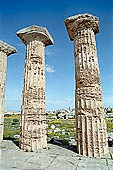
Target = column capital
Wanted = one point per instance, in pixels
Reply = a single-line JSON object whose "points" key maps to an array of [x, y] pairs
{"points": [[6, 48], [81, 21], [35, 33]]}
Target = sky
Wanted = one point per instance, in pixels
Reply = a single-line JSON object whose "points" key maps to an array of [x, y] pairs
{"points": [[60, 79]]}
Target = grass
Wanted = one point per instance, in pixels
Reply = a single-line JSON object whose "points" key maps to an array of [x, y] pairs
{"points": [[109, 125], [67, 127], [11, 126]]}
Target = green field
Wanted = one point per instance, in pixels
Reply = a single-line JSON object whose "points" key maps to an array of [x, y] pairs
{"points": [[65, 129], [109, 124], [11, 126]]}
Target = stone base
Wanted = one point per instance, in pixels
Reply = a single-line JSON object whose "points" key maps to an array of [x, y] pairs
{"points": [[33, 144], [54, 158]]}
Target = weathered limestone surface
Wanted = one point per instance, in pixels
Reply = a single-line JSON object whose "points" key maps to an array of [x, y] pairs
{"points": [[33, 118], [90, 118], [5, 50], [54, 158]]}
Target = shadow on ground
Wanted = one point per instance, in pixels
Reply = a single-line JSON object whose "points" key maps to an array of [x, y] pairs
{"points": [[63, 144], [15, 141]]}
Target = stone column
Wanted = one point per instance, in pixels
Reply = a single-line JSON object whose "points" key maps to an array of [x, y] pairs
{"points": [[33, 114], [91, 134], [5, 50]]}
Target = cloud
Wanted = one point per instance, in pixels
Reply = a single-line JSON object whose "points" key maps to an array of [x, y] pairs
{"points": [[49, 69], [50, 52], [68, 100], [62, 101], [21, 45]]}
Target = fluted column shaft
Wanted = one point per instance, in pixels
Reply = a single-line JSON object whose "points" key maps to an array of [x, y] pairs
{"points": [[33, 114], [5, 50], [90, 118], [33, 120], [91, 131], [3, 65]]}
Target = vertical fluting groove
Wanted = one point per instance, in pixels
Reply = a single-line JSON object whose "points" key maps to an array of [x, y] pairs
{"points": [[83, 136], [87, 136], [79, 134], [92, 135], [90, 139], [98, 136], [101, 136], [81, 146], [94, 139]]}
